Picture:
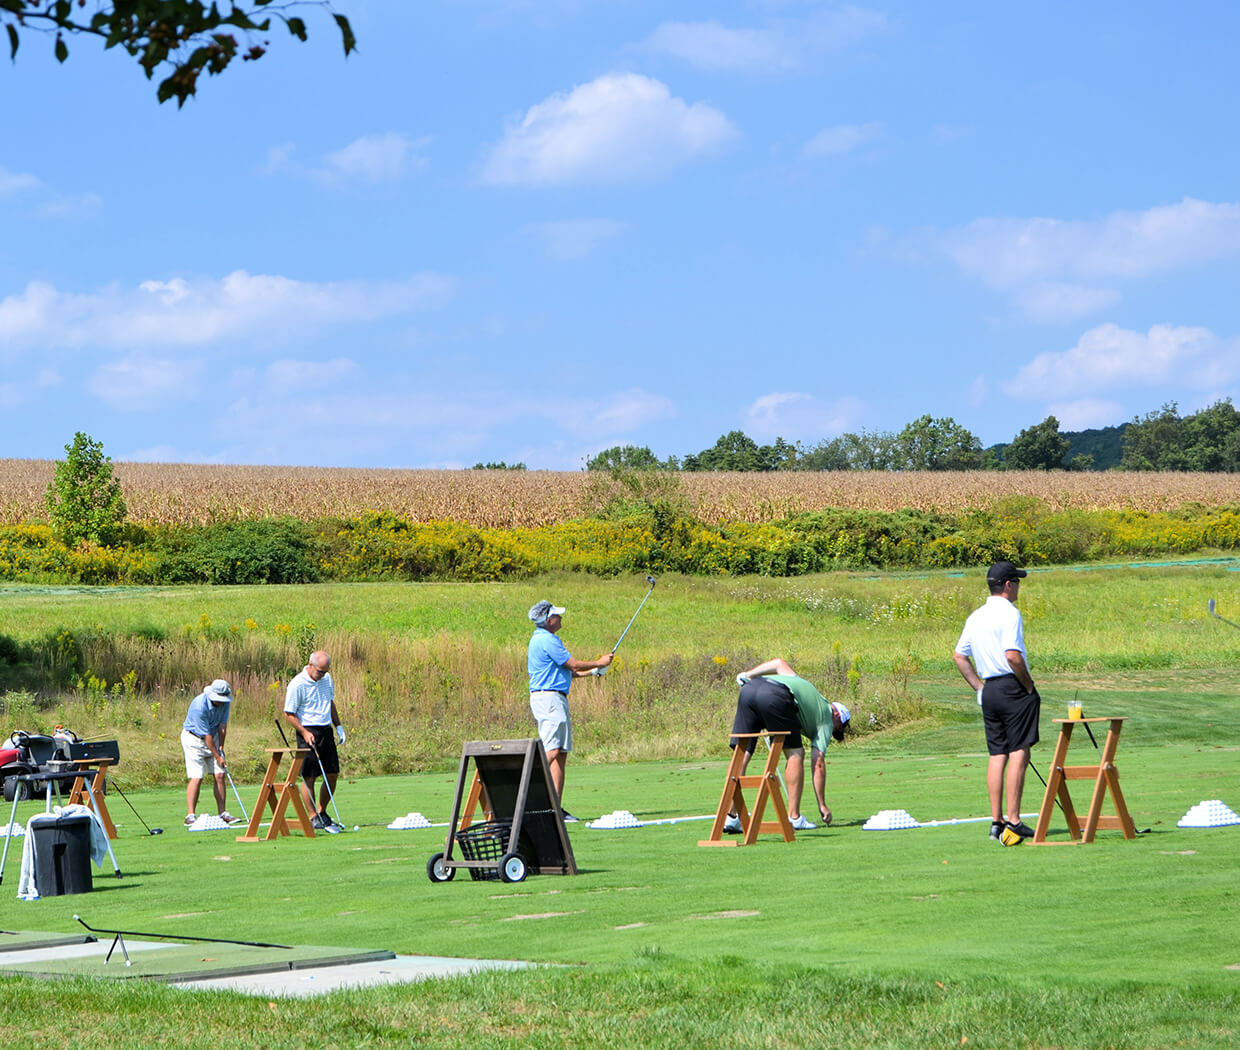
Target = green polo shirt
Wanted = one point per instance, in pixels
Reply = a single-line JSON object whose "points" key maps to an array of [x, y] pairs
{"points": [[813, 709]]}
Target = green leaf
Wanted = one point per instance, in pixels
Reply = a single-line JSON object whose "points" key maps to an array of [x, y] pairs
{"points": [[297, 27], [13, 41], [62, 52], [346, 34]]}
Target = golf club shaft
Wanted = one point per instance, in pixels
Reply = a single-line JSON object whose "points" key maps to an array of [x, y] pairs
{"points": [[633, 620], [131, 806], [236, 793], [1210, 606], [331, 795], [181, 937]]}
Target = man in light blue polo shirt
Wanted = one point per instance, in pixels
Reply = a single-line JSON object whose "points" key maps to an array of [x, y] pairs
{"points": [[552, 668], [202, 740]]}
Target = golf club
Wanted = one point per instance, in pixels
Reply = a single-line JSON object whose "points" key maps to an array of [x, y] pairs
{"points": [[330, 794], [600, 671], [149, 830], [1210, 606], [237, 793]]}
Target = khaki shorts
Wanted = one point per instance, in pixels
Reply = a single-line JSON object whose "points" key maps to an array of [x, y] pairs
{"points": [[199, 762], [550, 710]]}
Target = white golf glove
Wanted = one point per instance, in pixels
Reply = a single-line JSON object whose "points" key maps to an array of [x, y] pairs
{"points": [[340, 734], [598, 672], [979, 698], [742, 678]]}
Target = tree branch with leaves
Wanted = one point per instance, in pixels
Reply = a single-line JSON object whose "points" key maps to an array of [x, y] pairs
{"points": [[184, 38]]}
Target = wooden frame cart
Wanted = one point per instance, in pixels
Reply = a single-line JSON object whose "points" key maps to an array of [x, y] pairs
{"points": [[1105, 777], [524, 831], [278, 796], [767, 783]]}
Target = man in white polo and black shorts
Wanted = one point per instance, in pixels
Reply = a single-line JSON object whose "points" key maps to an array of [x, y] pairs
{"points": [[991, 657], [310, 708]]}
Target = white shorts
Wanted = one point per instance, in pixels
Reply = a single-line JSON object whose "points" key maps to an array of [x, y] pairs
{"points": [[199, 762], [550, 710]]}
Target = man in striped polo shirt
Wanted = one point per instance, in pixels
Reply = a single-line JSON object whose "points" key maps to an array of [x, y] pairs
{"points": [[310, 708]]}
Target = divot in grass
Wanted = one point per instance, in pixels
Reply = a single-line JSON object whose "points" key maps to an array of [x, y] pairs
{"points": [[541, 915], [727, 915]]}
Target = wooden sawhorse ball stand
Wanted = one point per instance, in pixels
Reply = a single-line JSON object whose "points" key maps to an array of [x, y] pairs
{"points": [[1105, 777], [767, 783], [92, 798], [279, 796]]}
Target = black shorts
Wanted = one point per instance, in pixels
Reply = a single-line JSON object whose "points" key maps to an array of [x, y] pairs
{"points": [[1010, 715], [764, 704], [325, 741]]}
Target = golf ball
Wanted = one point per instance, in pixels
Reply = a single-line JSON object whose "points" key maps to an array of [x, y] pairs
{"points": [[357, 827]]}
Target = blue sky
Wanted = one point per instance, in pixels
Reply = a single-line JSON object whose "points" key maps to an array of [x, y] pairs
{"points": [[527, 230]]}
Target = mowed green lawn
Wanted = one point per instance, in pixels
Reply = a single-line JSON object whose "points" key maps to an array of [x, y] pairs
{"points": [[924, 937], [1120, 922]]}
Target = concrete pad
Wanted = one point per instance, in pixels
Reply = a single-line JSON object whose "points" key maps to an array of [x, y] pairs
{"points": [[298, 971], [320, 980], [39, 958]]}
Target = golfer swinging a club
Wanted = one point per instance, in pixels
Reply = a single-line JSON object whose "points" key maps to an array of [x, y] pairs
{"points": [[775, 698], [991, 657], [552, 668], [310, 708]]}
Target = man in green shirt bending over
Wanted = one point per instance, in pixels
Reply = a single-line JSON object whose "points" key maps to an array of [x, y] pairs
{"points": [[776, 699]]}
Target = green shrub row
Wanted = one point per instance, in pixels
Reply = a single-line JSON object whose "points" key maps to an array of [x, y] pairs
{"points": [[382, 546]]}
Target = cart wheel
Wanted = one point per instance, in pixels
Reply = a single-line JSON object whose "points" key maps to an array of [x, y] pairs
{"points": [[435, 870], [512, 868]]}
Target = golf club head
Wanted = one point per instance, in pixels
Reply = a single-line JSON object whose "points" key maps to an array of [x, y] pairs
{"points": [[157, 831], [650, 580], [1210, 606]]}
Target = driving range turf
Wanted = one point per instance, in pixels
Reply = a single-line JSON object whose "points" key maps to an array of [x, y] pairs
{"points": [[922, 937]]}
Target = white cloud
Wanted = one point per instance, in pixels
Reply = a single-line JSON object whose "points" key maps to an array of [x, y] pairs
{"points": [[79, 205], [1109, 357], [979, 391], [138, 384], [181, 312], [621, 127], [368, 160], [574, 238], [843, 138], [1062, 269], [373, 159], [781, 45], [1086, 413], [1057, 302], [618, 413], [710, 45], [12, 182], [799, 416]]}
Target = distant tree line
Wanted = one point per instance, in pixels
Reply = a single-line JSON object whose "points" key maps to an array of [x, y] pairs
{"points": [[1208, 440]]}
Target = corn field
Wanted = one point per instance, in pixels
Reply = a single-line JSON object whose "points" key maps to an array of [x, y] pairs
{"points": [[168, 493]]}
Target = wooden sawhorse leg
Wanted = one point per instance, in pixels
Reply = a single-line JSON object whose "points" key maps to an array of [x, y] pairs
{"points": [[767, 783], [94, 797], [279, 797]]}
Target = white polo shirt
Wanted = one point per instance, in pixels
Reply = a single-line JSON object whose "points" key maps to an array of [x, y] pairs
{"points": [[989, 633], [309, 700]]}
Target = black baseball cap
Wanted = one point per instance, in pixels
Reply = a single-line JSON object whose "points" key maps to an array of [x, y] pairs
{"points": [[1002, 571]]}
